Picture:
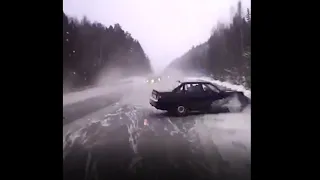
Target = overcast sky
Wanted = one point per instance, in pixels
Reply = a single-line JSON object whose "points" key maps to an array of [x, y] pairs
{"points": [[165, 28]]}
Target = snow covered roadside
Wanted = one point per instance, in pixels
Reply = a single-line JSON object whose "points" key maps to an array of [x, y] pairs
{"points": [[83, 95], [120, 85]]}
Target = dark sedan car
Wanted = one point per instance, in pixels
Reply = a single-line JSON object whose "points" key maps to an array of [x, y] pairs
{"points": [[194, 96]]}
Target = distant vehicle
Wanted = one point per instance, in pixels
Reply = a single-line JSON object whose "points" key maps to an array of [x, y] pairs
{"points": [[153, 79], [195, 96]]}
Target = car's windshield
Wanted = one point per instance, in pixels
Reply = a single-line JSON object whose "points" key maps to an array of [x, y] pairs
{"points": [[219, 87], [211, 87], [223, 88]]}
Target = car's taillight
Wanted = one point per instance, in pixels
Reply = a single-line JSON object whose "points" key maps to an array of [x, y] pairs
{"points": [[154, 96]]}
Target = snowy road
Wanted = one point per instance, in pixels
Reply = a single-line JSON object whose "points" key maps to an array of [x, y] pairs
{"points": [[122, 136]]}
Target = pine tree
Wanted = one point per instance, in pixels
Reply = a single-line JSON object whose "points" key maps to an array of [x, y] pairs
{"points": [[228, 52], [91, 48]]}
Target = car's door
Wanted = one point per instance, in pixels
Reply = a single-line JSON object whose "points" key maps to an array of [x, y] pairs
{"points": [[195, 95], [178, 96], [211, 94]]}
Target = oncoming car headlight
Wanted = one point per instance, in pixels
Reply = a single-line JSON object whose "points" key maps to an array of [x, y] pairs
{"points": [[153, 80]]}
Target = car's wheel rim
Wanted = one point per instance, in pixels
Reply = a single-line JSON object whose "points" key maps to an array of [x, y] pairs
{"points": [[181, 109]]}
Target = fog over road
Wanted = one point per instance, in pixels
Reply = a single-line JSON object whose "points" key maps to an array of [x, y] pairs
{"points": [[118, 135]]}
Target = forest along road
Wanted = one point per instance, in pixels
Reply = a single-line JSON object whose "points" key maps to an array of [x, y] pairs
{"points": [[129, 138]]}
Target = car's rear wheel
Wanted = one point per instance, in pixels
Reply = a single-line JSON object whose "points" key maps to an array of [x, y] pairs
{"points": [[181, 110]]}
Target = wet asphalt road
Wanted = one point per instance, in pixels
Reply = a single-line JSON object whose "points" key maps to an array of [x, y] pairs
{"points": [[76, 110], [125, 138]]}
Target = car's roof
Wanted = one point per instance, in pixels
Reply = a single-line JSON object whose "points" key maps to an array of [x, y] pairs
{"points": [[194, 81]]}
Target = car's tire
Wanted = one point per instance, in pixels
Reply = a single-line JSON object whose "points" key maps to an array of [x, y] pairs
{"points": [[181, 110]]}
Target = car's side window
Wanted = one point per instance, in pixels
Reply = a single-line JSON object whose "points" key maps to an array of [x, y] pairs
{"points": [[197, 88], [188, 87], [194, 88]]}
